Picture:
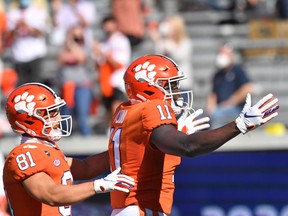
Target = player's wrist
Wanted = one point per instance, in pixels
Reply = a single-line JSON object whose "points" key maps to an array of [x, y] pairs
{"points": [[240, 124], [98, 186]]}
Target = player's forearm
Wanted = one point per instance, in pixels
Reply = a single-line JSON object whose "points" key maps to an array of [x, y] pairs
{"points": [[171, 141], [206, 141], [62, 195]]}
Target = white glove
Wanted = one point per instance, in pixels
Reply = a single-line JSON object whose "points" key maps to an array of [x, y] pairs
{"points": [[113, 182], [262, 112], [188, 125]]}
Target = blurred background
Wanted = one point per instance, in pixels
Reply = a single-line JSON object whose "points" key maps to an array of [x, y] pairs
{"points": [[249, 175]]}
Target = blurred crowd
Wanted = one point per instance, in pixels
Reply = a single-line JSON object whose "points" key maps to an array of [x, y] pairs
{"points": [[241, 10], [89, 69], [93, 48]]}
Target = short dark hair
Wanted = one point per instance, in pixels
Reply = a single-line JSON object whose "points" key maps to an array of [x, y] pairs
{"points": [[109, 18]]}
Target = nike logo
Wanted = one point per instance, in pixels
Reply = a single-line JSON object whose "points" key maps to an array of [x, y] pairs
{"points": [[251, 116]]}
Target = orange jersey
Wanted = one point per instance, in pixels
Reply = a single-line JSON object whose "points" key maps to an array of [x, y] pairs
{"points": [[129, 147], [24, 161]]}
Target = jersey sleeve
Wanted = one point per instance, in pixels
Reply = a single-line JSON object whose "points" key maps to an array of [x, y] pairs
{"points": [[25, 162], [157, 113]]}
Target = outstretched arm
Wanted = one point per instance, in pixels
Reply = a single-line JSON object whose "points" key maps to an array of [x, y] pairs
{"points": [[171, 141]]}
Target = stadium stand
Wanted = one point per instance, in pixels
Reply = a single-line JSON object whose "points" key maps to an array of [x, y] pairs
{"points": [[268, 72]]}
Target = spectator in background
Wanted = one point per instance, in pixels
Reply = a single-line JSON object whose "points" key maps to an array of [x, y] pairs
{"points": [[259, 9], [3, 200], [112, 58], [282, 9], [170, 36], [76, 82], [130, 17], [230, 86], [3, 24], [27, 25], [72, 13], [8, 80]]}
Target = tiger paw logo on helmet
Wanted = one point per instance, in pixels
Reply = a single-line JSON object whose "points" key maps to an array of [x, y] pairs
{"points": [[24, 104], [145, 72]]}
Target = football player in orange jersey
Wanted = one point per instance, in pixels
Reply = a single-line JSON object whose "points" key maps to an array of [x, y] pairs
{"points": [[147, 141], [37, 176]]}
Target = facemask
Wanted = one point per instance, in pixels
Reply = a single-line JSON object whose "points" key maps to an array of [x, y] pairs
{"points": [[222, 61], [24, 3]]}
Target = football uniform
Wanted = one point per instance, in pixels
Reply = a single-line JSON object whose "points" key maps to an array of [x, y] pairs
{"points": [[30, 157], [130, 149]]}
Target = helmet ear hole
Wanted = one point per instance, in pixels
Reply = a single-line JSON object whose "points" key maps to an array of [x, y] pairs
{"points": [[29, 122], [148, 92]]}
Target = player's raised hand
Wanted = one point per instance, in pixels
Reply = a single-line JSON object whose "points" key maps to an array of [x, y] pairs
{"points": [[190, 124], [114, 181], [263, 111]]}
